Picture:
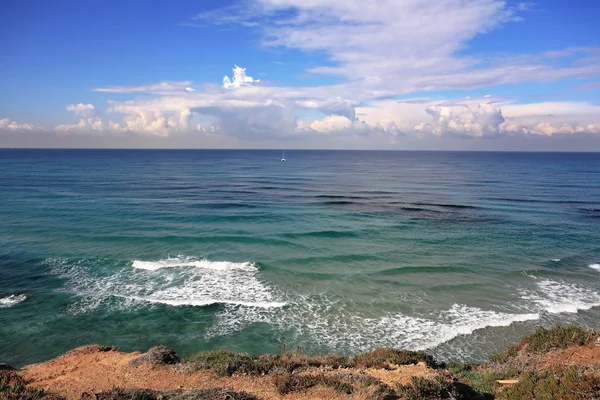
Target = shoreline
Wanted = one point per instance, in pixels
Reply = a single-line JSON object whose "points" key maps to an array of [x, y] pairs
{"points": [[562, 358]]}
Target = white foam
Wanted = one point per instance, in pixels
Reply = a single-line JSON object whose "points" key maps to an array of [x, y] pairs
{"points": [[595, 266], [181, 261], [11, 300], [330, 325], [177, 281], [556, 259], [557, 297]]}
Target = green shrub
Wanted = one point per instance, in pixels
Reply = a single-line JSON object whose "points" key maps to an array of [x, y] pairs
{"points": [[291, 383], [227, 363], [14, 387], [425, 389], [559, 337], [382, 357], [565, 384], [502, 358]]}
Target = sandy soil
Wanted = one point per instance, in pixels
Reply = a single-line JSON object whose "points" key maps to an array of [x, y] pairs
{"points": [[88, 370]]}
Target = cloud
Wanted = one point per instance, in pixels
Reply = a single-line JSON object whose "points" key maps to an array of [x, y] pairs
{"points": [[9, 125], [400, 47], [84, 110], [190, 89], [485, 120], [239, 79], [166, 87], [330, 124]]}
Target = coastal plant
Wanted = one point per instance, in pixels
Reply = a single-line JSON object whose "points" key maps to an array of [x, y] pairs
{"points": [[227, 363], [214, 394], [559, 337], [563, 383], [424, 389], [502, 358], [384, 357], [14, 387], [441, 387], [291, 383]]}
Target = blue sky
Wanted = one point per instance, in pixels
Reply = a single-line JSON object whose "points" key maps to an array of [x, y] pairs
{"points": [[335, 73]]}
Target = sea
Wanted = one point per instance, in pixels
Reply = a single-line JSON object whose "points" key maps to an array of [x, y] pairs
{"points": [[459, 254]]}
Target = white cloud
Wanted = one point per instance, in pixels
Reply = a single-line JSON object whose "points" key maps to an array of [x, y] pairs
{"points": [[239, 79], [399, 47], [330, 124], [9, 125], [484, 120], [84, 110], [167, 87]]}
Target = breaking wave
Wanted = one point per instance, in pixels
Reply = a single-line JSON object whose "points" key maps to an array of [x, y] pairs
{"points": [[12, 300]]}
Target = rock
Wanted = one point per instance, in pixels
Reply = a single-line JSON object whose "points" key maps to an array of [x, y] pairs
{"points": [[159, 355], [7, 367]]}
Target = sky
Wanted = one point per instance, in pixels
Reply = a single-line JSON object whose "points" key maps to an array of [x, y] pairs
{"points": [[301, 74]]}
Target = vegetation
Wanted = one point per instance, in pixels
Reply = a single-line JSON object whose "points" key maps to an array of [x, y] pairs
{"points": [[384, 357], [199, 394], [524, 371], [288, 383], [559, 337], [564, 383], [14, 387]]}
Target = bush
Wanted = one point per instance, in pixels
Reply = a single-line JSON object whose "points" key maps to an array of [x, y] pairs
{"points": [[14, 387], [288, 383], [559, 337], [425, 389], [159, 355], [214, 394], [502, 358], [565, 384], [226, 363], [383, 357]]}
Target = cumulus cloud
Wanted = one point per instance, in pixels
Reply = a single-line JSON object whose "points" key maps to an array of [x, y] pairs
{"points": [[485, 120], [330, 124], [239, 79], [9, 125], [84, 110]]}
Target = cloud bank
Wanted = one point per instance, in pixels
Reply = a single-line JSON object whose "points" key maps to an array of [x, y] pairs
{"points": [[378, 55]]}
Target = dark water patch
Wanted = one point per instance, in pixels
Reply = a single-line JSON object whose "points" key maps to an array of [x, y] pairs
{"points": [[341, 203], [450, 206], [328, 196], [342, 258], [423, 269], [182, 239], [228, 205], [417, 209], [534, 201], [323, 234]]}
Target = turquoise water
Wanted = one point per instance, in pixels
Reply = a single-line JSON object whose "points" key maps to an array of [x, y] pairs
{"points": [[456, 253]]}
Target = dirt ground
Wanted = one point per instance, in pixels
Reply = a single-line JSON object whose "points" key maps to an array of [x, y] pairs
{"points": [[90, 370]]}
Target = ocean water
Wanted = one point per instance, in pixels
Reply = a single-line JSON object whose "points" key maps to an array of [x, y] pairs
{"points": [[456, 253]]}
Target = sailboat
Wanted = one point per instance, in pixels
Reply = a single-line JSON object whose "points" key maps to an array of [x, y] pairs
{"points": [[283, 156]]}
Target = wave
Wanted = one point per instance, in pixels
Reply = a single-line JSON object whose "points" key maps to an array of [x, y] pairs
{"points": [[330, 325], [424, 269], [182, 262], [595, 266], [178, 281], [13, 299], [558, 297]]}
